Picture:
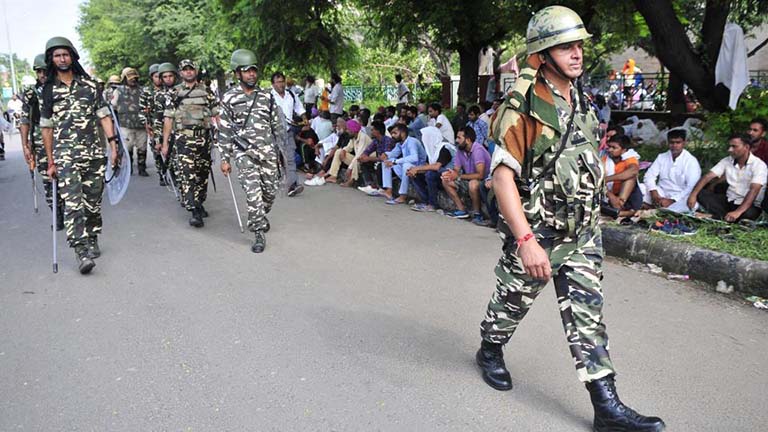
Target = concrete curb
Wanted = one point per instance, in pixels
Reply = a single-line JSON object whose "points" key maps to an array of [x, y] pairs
{"points": [[747, 276]]}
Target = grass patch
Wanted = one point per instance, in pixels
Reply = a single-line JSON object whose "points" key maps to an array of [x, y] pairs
{"points": [[729, 238]]}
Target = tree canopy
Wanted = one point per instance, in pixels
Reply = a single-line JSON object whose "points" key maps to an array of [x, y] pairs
{"points": [[370, 40]]}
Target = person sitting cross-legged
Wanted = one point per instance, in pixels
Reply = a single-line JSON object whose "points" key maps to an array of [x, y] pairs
{"points": [[408, 152], [622, 164], [672, 176], [348, 155], [426, 178], [471, 166], [745, 174]]}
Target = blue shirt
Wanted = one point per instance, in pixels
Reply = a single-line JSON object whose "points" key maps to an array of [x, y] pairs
{"points": [[481, 130], [410, 151]]}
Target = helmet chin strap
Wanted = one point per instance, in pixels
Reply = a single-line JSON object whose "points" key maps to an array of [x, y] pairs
{"points": [[578, 81]]}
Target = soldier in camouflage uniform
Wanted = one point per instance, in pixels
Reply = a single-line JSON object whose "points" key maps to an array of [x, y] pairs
{"points": [[189, 113], [72, 107], [148, 103], [32, 138], [548, 180], [168, 75], [127, 100], [250, 124], [112, 83]]}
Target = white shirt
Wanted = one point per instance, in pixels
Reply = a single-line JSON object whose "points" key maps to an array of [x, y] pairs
{"points": [[740, 179], [673, 179], [322, 127], [290, 104], [310, 94], [445, 127], [337, 99], [402, 93], [15, 105]]}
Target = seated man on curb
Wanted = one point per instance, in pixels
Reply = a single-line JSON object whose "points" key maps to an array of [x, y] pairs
{"points": [[672, 176], [328, 147], [757, 129], [370, 167], [408, 152], [426, 178], [622, 164], [745, 175], [348, 155], [471, 166]]}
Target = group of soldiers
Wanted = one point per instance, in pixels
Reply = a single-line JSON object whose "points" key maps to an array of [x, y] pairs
{"points": [[69, 119], [547, 178]]}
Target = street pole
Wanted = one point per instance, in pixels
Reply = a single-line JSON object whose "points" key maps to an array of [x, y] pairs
{"points": [[10, 49]]}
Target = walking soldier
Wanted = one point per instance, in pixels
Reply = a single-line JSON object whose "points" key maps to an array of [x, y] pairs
{"points": [[548, 180], [251, 126], [127, 100]]}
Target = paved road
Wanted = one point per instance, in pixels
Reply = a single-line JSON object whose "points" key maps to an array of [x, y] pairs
{"points": [[359, 316]]}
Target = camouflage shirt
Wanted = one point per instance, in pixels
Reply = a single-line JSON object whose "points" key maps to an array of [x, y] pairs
{"points": [[191, 107], [128, 101], [148, 104], [566, 200], [73, 114], [30, 108], [257, 131], [159, 103]]}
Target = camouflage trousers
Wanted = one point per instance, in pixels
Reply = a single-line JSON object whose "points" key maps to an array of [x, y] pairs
{"points": [[577, 272], [81, 185], [157, 154], [260, 183], [41, 164], [136, 138], [193, 156]]}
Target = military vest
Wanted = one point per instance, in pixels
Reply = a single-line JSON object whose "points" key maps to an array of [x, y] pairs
{"points": [[192, 107], [129, 107]]}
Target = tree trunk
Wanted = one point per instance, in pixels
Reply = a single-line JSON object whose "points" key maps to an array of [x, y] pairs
{"points": [[675, 51], [675, 95], [469, 64]]}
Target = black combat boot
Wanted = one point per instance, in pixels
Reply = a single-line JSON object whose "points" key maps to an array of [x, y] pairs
{"points": [[203, 213], [197, 219], [162, 181], [266, 228], [93, 248], [611, 415], [143, 171], [84, 263], [259, 242], [490, 358]]}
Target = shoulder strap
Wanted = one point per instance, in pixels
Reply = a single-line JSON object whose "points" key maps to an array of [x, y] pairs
{"points": [[563, 142]]}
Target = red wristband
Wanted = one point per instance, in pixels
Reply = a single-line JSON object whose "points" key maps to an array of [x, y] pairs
{"points": [[524, 239]]}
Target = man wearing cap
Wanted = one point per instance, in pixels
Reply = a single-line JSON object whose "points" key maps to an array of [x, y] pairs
{"points": [[190, 111], [548, 179], [127, 100], [72, 107], [349, 154], [32, 139], [251, 127]]}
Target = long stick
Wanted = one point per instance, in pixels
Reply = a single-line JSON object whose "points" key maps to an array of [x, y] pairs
{"points": [[234, 200], [55, 182], [34, 188], [169, 177]]}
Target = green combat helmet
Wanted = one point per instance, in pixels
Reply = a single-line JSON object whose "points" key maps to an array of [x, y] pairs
{"points": [[153, 69], [552, 26], [39, 62], [61, 42], [242, 58], [166, 67]]}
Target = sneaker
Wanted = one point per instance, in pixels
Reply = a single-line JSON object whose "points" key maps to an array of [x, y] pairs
{"points": [[315, 181], [367, 189], [374, 192], [478, 220], [421, 207], [297, 189], [683, 229], [458, 214], [664, 227], [393, 201]]}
